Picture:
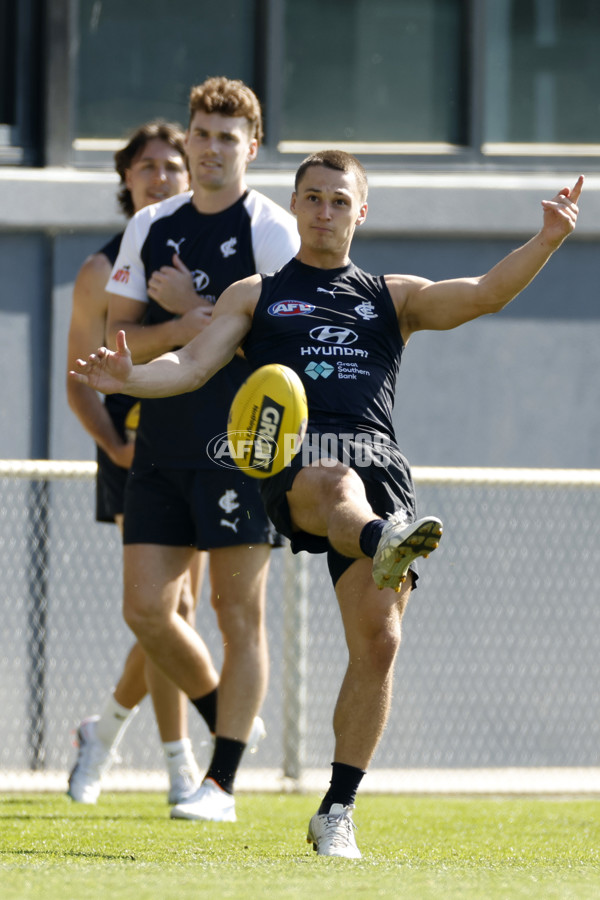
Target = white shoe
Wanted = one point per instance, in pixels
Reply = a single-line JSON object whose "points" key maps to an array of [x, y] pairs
{"points": [[210, 803], [400, 544], [257, 734], [185, 782], [332, 833], [93, 759]]}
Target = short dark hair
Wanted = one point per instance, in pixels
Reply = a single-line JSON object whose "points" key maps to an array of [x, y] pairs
{"points": [[229, 97], [341, 162], [159, 129]]}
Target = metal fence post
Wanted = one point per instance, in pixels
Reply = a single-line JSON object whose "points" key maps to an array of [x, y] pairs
{"points": [[38, 508], [295, 642]]}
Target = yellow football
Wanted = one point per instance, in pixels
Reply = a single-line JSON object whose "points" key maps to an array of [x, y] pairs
{"points": [[267, 421]]}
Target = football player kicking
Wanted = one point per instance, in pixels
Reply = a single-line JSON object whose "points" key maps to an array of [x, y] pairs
{"points": [[363, 516]]}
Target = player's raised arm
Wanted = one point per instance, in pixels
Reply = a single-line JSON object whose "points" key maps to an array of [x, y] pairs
{"points": [[188, 368], [423, 304]]}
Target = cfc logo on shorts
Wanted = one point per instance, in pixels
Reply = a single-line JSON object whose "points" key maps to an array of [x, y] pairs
{"points": [[229, 503]]}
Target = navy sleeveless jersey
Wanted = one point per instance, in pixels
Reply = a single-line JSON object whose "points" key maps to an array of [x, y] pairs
{"points": [[111, 248], [253, 234], [117, 405], [338, 329]]}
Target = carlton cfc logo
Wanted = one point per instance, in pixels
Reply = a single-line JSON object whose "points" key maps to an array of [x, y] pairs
{"points": [[290, 308]]}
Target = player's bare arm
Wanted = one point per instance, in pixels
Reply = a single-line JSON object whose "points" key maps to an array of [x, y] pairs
{"points": [[146, 342], [422, 304], [86, 332], [187, 369]]}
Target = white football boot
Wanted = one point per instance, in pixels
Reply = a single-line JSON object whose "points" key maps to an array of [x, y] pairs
{"points": [[209, 803], [400, 544], [93, 759], [332, 833]]}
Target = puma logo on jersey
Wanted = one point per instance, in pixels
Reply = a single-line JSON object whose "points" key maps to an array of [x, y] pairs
{"points": [[321, 290], [233, 525], [175, 244], [229, 247], [229, 501]]}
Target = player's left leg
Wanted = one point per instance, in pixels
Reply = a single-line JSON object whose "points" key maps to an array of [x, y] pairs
{"points": [[372, 624], [171, 704], [328, 499], [238, 583], [238, 593]]}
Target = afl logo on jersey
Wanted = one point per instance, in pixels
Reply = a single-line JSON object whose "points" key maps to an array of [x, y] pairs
{"points": [[332, 334], [290, 308]]}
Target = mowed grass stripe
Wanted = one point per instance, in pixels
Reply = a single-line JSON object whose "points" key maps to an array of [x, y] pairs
{"points": [[413, 847]]}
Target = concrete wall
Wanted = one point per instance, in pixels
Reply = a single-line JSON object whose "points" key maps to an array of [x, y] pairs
{"points": [[517, 389]]}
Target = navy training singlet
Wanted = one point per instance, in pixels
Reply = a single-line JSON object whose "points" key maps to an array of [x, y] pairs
{"points": [[117, 405], [338, 329]]}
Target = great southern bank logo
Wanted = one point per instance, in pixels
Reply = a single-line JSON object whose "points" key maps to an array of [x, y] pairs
{"points": [[290, 308], [318, 370]]}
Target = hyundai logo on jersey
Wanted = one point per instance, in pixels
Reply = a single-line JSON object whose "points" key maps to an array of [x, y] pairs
{"points": [[333, 334], [290, 308], [200, 280]]}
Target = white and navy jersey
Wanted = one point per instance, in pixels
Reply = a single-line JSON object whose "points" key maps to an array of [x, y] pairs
{"points": [[117, 405], [338, 329], [253, 235]]}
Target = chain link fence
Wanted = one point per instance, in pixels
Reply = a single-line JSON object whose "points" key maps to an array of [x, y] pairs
{"points": [[499, 667]]}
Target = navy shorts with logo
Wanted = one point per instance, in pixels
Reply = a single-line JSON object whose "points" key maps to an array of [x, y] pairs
{"points": [[388, 488], [194, 508], [110, 488]]}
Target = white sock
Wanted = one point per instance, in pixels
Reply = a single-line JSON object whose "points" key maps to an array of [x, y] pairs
{"points": [[113, 722], [178, 753]]}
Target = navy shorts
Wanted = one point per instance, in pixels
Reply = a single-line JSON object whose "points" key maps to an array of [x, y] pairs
{"points": [[194, 508], [388, 487], [110, 488]]}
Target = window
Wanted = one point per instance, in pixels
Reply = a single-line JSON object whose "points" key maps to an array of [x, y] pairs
{"points": [[137, 60], [431, 82], [19, 77], [374, 74], [542, 76]]}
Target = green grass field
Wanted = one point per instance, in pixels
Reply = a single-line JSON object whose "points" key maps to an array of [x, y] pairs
{"points": [[413, 847]]}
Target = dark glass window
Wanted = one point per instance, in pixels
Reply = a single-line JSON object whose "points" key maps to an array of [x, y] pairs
{"points": [[20, 41], [542, 81], [8, 61], [138, 59], [374, 71]]}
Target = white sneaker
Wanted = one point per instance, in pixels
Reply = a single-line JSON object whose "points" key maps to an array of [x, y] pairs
{"points": [[210, 803], [400, 544], [332, 833], [93, 759], [185, 782], [258, 733]]}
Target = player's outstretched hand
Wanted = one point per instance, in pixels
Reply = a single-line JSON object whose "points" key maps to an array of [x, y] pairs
{"points": [[560, 213], [106, 370]]}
